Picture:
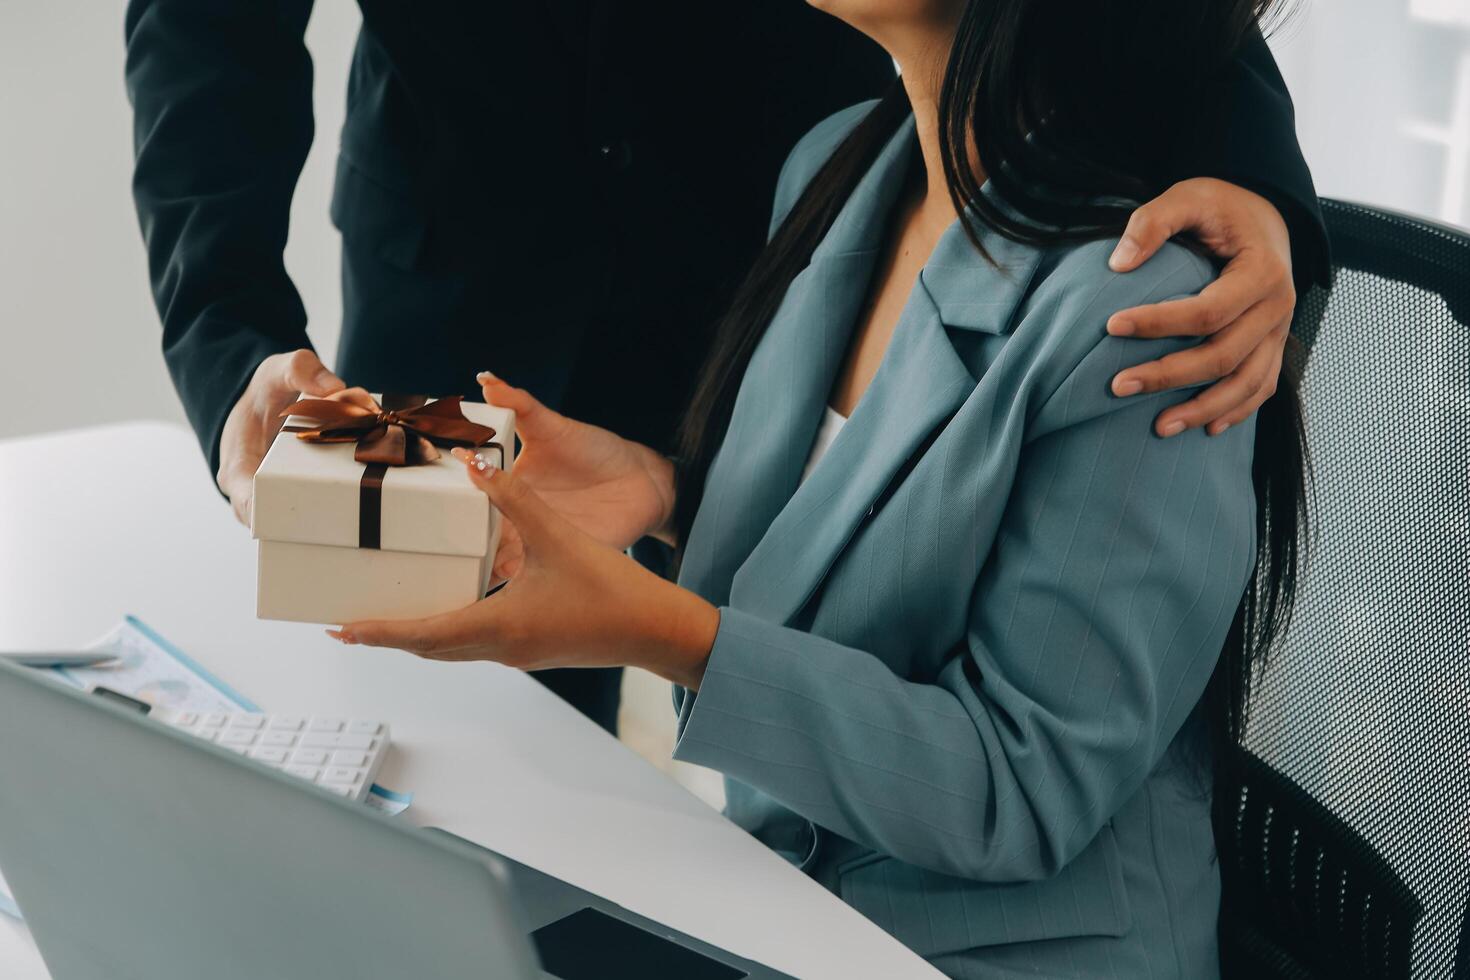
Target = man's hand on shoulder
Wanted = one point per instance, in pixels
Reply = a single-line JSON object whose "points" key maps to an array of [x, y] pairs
{"points": [[254, 421], [1244, 315]]}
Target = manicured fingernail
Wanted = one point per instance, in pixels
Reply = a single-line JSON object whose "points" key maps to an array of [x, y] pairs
{"points": [[1217, 430], [485, 377], [344, 636], [1120, 328], [463, 455], [1123, 387], [1172, 429], [1123, 255]]}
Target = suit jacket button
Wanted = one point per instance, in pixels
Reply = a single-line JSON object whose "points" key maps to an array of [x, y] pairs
{"points": [[616, 155]]}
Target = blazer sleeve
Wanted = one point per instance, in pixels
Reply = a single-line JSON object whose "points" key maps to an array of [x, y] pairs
{"points": [[1253, 144], [221, 95], [1095, 624]]}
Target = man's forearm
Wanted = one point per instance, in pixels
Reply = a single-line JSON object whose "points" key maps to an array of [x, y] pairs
{"points": [[221, 92], [1253, 144]]}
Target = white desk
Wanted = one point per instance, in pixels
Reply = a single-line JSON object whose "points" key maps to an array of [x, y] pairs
{"points": [[102, 522]]}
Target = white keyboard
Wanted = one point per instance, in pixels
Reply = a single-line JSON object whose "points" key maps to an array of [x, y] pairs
{"points": [[338, 755]]}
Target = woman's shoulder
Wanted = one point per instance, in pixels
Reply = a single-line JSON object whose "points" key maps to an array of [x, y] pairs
{"points": [[1074, 293], [1078, 274], [810, 152]]}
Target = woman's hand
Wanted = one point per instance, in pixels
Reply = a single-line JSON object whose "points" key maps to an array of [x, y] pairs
{"points": [[576, 602], [615, 490], [1245, 314]]}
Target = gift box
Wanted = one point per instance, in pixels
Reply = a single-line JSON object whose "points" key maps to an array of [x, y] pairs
{"points": [[363, 514]]}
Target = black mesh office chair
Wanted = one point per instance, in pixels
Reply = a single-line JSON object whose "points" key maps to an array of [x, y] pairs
{"points": [[1345, 851]]}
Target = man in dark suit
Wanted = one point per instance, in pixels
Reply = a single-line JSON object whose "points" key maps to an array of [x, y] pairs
{"points": [[478, 134]]}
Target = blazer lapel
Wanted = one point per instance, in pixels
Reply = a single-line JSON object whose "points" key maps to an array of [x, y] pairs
{"points": [[920, 385], [759, 542], [785, 388]]}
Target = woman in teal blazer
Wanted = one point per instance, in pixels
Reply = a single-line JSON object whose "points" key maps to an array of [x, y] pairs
{"points": [[962, 672]]}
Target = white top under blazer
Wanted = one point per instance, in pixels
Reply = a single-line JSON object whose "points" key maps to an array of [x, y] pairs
{"points": [[832, 422]]}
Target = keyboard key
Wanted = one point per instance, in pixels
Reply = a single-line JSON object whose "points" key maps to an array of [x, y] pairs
{"points": [[322, 741], [335, 753], [340, 774]]}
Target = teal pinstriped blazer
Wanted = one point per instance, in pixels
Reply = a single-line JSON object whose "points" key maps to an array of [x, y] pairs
{"points": [[953, 691]]}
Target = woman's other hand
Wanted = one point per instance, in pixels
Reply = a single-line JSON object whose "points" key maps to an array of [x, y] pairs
{"points": [[1245, 314], [576, 602], [611, 488]]}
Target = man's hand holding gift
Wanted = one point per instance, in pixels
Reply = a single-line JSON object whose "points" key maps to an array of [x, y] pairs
{"points": [[252, 424]]}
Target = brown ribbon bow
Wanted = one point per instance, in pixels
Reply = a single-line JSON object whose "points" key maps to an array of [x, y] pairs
{"points": [[402, 434]]}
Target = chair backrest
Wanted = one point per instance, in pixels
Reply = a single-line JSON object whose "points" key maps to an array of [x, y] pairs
{"points": [[1307, 895], [1346, 852]]}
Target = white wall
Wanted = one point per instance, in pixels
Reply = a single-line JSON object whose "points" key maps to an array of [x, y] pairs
{"points": [[1382, 89], [76, 316]]}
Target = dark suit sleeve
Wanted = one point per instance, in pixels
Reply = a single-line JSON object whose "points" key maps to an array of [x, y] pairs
{"points": [[1253, 145], [221, 94]]}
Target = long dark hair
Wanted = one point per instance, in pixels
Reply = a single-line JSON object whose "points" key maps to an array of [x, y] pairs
{"points": [[1068, 104]]}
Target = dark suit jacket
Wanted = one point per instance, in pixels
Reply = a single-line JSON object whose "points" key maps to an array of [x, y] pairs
{"points": [[477, 135]]}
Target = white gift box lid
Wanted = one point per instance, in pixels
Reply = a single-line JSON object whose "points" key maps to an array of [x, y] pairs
{"points": [[309, 493]]}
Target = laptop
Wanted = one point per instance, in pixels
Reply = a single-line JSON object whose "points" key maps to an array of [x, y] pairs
{"points": [[137, 851]]}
